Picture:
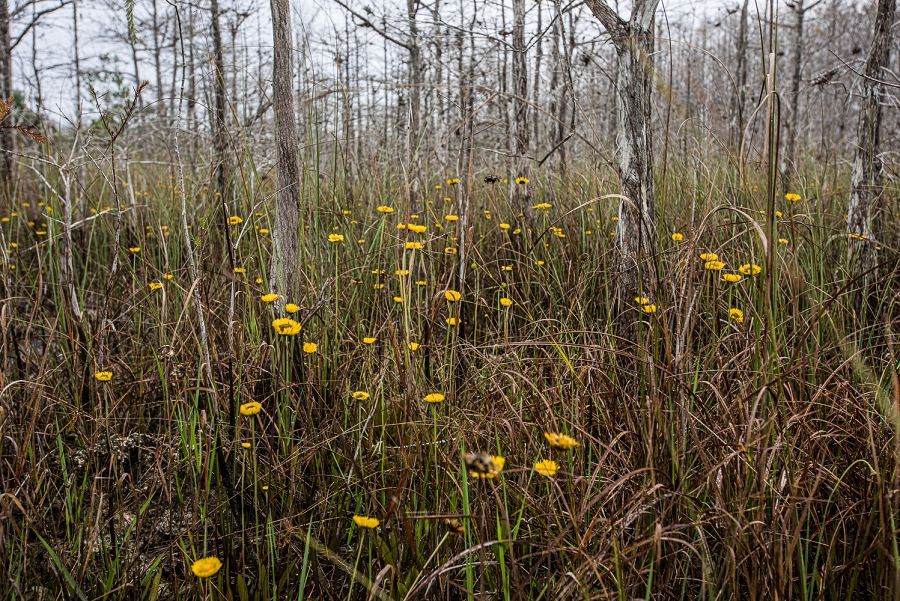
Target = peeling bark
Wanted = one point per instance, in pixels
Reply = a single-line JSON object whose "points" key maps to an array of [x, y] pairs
{"points": [[285, 268]]}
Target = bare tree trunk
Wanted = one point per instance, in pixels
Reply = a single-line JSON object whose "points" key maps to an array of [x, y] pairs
{"points": [[794, 95], [737, 105], [415, 73], [219, 117], [7, 141], [520, 87], [285, 267], [636, 235], [76, 57], [865, 180], [539, 55], [157, 63]]}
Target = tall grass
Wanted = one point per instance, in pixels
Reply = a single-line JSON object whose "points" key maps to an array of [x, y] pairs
{"points": [[731, 462]]}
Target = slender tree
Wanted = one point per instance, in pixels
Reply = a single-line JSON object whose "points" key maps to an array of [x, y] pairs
{"points": [[7, 141], [865, 179], [636, 235], [285, 267], [219, 91], [520, 89]]}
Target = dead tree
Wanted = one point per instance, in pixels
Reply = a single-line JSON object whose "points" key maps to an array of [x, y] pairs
{"points": [[219, 92], [799, 10], [865, 179], [520, 90], [285, 267], [636, 235]]}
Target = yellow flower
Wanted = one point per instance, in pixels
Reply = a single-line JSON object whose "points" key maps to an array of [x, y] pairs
{"points": [[44, 233], [369, 340], [736, 314], [538, 263], [785, 241], [398, 299], [560, 441], [517, 231], [134, 249], [240, 270], [235, 220], [493, 469], [504, 226], [677, 237], [168, 276], [779, 214], [346, 211], [451, 217], [286, 326], [310, 347], [506, 302], [749, 269], [714, 265], [453, 181], [155, 285], [401, 226], [361, 395], [709, 257], [103, 376], [421, 283], [450, 250], [378, 286], [642, 300], [732, 278], [335, 238], [206, 567], [452, 296], [291, 308], [259, 280], [434, 397], [419, 229], [365, 522], [792, 197], [251, 408], [521, 180], [268, 298], [649, 308], [452, 321], [542, 205], [384, 209], [246, 445], [506, 268], [547, 467], [414, 346], [414, 246]]}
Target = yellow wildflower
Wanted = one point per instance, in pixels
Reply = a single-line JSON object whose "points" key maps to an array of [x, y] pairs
{"points": [[792, 197], [736, 314], [414, 246], [414, 346], [251, 408], [268, 298], [649, 308], [235, 220], [206, 567], [547, 467], [155, 285], [335, 238], [677, 237], [522, 180], [361, 395], [365, 522], [732, 278], [560, 441], [103, 376], [291, 308], [452, 321], [709, 257], [434, 397], [310, 347], [286, 326], [749, 269], [452, 296], [419, 229], [369, 340], [714, 265], [134, 249], [384, 209], [506, 302]]}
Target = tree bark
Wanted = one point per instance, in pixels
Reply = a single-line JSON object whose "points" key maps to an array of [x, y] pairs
{"points": [[219, 92], [738, 100], [415, 74], [636, 234], [520, 87], [7, 141], [865, 179], [285, 267]]}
